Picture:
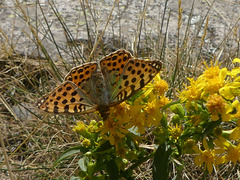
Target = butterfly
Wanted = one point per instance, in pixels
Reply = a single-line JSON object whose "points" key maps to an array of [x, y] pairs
{"points": [[98, 86]]}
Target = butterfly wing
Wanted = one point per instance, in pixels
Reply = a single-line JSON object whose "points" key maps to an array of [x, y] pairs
{"points": [[135, 75], [86, 88], [66, 99], [88, 79], [82, 75], [112, 66]]}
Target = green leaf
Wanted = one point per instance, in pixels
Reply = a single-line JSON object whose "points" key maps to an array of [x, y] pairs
{"points": [[209, 129], [83, 162], [103, 147], [75, 178], [170, 104], [69, 152], [112, 169], [161, 162], [131, 142]]}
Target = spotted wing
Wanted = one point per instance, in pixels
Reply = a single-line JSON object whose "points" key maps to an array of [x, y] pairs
{"points": [[66, 99], [136, 74], [87, 77], [81, 75], [112, 66]]}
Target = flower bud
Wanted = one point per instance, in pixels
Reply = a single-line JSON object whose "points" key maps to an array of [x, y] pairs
{"points": [[86, 143], [176, 119], [178, 109]]}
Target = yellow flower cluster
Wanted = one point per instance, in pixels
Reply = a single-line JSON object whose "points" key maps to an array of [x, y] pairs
{"points": [[86, 131], [215, 87], [208, 105], [145, 111], [214, 96], [224, 152], [208, 156]]}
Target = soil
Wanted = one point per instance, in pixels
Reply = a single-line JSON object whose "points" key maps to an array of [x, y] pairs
{"points": [[223, 16]]}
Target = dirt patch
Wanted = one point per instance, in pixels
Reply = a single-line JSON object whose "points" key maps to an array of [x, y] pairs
{"points": [[124, 24]]}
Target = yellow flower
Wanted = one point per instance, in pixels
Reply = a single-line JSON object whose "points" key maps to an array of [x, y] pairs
{"points": [[86, 143], [221, 142], [94, 126], [138, 121], [233, 153], [231, 90], [236, 60], [121, 112], [163, 101], [153, 112], [188, 146], [113, 131], [80, 128], [195, 119], [236, 105], [211, 81], [175, 131], [157, 86], [217, 106], [212, 71], [137, 116], [192, 92], [208, 157], [212, 85], [235, 71], [115, 127], [235, 134]]}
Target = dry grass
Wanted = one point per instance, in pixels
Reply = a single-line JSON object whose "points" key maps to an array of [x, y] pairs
{"points": [[31, 141]]}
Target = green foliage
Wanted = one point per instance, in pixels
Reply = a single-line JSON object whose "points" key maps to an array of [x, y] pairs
{"points": [[199, 120], [161, 162]]}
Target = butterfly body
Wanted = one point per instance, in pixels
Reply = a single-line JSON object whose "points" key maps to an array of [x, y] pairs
{"points": [[94, 86]]}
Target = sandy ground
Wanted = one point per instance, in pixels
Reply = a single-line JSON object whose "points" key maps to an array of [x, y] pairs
{"points": [[223, 15]]}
